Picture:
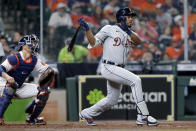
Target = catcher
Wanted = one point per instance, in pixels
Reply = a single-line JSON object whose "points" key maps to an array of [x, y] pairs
{"points": [[13, 72]]}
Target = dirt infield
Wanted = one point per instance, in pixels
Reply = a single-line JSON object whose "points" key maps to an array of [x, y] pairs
{"points": [[103, 126]]}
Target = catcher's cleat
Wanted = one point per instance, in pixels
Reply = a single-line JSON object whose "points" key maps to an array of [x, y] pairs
{"points": [[89, 121], [1, 121], [146, 120], [37, 121]]}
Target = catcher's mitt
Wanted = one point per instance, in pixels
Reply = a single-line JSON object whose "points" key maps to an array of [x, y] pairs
{"points": [[46, 78]]}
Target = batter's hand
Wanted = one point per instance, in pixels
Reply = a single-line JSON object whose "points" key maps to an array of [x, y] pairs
{"points": [[83, 23]]}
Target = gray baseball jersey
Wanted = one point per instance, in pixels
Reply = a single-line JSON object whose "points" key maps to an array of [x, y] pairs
{"points": [[116, 43]]}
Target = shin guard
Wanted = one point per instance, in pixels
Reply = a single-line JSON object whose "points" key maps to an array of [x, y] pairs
{"points": [[35, 108]]}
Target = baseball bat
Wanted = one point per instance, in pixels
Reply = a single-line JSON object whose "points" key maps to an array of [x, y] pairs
{"points": [[72, 43]]}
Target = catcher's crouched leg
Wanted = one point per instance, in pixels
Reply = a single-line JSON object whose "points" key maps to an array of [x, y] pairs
{"points": [[35, 107]]}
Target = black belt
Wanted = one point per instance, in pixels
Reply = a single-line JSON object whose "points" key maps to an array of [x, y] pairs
{"points": [[112, 63]]}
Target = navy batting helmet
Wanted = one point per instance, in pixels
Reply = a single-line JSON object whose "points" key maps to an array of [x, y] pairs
{"points": [[27, 40], [124, 12]]}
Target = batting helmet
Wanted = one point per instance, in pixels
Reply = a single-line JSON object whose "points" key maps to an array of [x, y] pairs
{"points": [[124, 12], [27, 40]]}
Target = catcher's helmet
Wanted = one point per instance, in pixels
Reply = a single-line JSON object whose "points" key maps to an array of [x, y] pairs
{"points": [[27, 40], [124, 12]]}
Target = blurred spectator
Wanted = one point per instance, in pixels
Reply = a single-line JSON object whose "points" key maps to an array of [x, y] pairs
{"points": [[95, 53], [76, 13], [104, 22], [17, 37], [83, 3], [2, 54], [191, 50], [98, 14], [192, 43], [162, 18], [135, 54], [59, 18], [33, 7], [193, 5], [175, 50], [112, 5], [169, 8], [151, 57], [148, 6], [110, 16], [1, 25], [147, 63], [146, 32], [78, 54], [136, 4], [52, 4], [178, 29], [4, 43], [192, 37], [165, 38], [5, 46], [191, 17], [179, 5], [156, 53]]}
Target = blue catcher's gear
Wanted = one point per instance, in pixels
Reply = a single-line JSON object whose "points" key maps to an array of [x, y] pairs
{"points": [[31, 40], [2, 69], [8, 94], [124, 12], [35, 107]]}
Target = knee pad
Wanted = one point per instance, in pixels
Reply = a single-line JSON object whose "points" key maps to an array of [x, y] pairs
{"points": [[37, 105], [5, 100]]}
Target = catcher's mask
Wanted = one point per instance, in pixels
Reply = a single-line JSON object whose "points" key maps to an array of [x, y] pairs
{"points": [[124, 12], [31, 40]]}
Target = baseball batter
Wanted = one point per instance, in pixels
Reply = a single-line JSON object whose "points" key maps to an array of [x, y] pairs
{"points": [[117, 41], [13, 72]]}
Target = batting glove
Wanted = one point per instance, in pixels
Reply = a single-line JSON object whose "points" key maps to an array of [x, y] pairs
{"points": [[125, 26], [83, 23]]}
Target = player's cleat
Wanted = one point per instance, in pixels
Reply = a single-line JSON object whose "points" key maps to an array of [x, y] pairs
{"points": [[37, 121], [89, 121], [146, 120], [1, 121]]}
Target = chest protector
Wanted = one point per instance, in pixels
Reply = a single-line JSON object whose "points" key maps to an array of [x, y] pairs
{"points": [[23, 69]]}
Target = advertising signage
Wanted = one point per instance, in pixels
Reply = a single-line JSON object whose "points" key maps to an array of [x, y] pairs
{"points": [[158, 92]]}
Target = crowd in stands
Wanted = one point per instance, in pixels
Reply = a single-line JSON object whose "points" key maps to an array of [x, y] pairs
{"points": [[159, 23]]}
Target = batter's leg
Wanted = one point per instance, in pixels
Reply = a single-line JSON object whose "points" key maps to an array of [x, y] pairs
{"points": [[113, 92], [125, 77]]}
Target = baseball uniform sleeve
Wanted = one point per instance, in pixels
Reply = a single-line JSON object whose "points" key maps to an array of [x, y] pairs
{"points": [[40, 66], [101, 36], [10, 63]]}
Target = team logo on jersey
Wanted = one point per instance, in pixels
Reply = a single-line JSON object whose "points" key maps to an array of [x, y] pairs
{"points": [[118, 42], [94, 96]]}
